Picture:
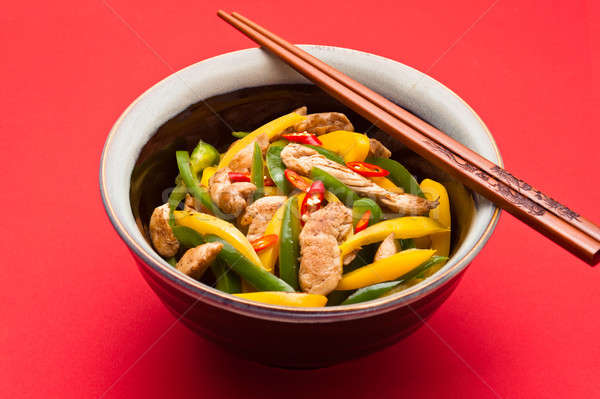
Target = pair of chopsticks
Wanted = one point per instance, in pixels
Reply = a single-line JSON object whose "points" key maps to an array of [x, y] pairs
{"points": [[557, 222]]}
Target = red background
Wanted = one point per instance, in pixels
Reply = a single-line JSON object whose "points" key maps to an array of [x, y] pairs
{"points": [[76, 319]]}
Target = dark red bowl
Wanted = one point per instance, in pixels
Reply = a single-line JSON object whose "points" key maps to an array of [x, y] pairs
{"points": [[240, 91]]}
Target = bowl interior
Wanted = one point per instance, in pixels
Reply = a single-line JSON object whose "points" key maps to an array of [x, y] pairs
{"points": [[242, 90]]}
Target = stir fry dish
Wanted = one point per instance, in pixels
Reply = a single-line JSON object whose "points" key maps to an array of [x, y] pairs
{"points": [[302, 212]]}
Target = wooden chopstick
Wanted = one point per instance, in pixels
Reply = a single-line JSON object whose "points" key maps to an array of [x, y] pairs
{"points": [[562, 232], [436, 135]]}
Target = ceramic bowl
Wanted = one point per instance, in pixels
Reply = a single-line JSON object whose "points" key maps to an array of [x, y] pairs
{"points": [[239, 91]]}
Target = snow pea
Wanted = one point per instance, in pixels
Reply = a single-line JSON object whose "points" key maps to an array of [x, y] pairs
{"points": [[378, 290], [289, 247], [257, 176], [398, 174], [277, 168], [333, 185]]}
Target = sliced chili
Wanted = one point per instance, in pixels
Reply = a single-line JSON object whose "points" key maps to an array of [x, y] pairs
{"points": [[245, 177], [297, 181], [363, 223], [239, 177], [313, 200], [264, 242], [302, 138], [367, 169]]}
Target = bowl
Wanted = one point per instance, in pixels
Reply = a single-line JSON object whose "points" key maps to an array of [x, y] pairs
{"points": [[240, 91]]}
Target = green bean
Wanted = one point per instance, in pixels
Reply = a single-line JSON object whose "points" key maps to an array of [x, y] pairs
{"points": [[327, 154], [398, 174], [333, 185], [289, 248], [257, 176], [277, 168]]}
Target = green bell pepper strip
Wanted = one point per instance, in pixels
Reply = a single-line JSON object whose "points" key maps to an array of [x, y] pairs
{"points": [[191, 182], [172, 261], [362, 205], [176, 196], [407, 243], [202, 156], [327, 154], [258, 277], [226, 280], [377, 290], [333, 185], [289, 247], [257, 176], [277, 168], [239, 135], [398, 175]]}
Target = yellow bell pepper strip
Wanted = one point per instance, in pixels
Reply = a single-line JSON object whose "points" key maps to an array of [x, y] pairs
{"points": [[271, 129], [378, 290], [386, 269], [351, 146], [269, 255], [387, 184], [434, 190], [403, 227], [289, 246], [294, 299], [272, 190], [226, 280], [207, 173], [398, 175], [208, 224], [257, 176]]}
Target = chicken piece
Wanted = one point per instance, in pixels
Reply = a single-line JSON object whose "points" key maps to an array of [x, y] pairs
{"points": [[386, 249], [324, 123], [301, 111], [231, 198], [190, 203], [320, 263], [302, 159], [161, 234], [258, 215], [242, 161], [195, 261], [377, 149]]}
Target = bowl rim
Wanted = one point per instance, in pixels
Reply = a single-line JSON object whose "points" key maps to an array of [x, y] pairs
{"points": [[202, 292]]}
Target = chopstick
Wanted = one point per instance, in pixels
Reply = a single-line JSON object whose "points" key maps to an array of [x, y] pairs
{"points": [[544, 214]]}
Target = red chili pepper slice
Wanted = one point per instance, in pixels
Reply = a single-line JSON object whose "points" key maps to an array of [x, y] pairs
{"points": [[245, 177], [302, 138], [264, 242], [297, 181], [367, 169], [313, 200], [269, 181], [239, 177], [363, 222]]}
